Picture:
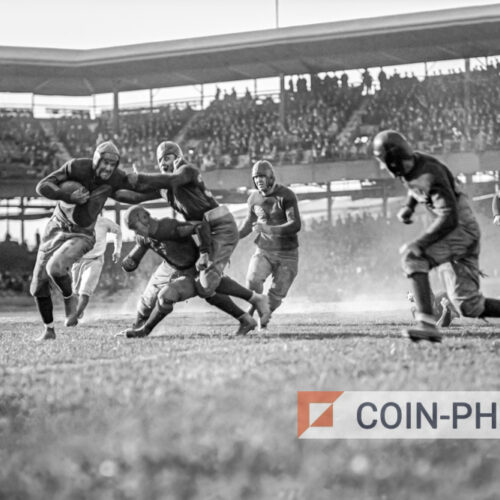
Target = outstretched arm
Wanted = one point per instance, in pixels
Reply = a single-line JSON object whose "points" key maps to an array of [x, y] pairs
{"points": [[134, 197], [183, 175]]}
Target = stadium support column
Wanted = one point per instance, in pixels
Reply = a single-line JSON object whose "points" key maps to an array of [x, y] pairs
{"points": [[467, 99], [116, 109], [329, 203], [151, 102], [384, 201], [21, 207], [282, 99]]}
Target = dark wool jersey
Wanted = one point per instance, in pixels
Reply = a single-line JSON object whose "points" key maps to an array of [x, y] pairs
{"points": [[81, 170], [431, 183], [278, 208], [180, 252], [190, 198]]}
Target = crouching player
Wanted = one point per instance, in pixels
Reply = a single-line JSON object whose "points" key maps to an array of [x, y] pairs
{"points": [[452, 237], [273, 213], [177, 278]]}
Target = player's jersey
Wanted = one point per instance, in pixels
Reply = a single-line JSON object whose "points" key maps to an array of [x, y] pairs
{"points": [[431, 183], [82, 171], [180, 252], [275, 209], [192, 199], [102, 227]]}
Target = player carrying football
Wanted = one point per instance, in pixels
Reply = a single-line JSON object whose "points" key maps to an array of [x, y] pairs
{"points": [[273, 213], [452, 237], [175, 278], [69, 234]]}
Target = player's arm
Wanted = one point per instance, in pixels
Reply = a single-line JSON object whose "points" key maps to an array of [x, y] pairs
{"points": [[134, 197], [444, 204], [247, 226], [49, 188], [406, 212], [293, 222], [116, 231], [182, 176], [134, 257]]}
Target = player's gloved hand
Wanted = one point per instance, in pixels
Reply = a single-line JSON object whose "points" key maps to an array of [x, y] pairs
{"points": [[80, 196], [496, 220], [116, 257], [262, 227], [128, 264], [203, 262], [411, 248], [404, 215]]}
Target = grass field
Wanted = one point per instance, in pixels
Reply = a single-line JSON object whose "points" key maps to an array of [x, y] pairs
{"points": [[198, 414]]}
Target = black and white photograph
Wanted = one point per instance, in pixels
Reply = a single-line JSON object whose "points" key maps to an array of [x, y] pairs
{"points": [[249, 250]]}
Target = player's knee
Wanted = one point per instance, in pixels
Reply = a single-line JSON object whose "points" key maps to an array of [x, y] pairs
{"points": [[255, 284], [207, 283], [56, 268], [470, 308], [412, 265], [165, 305]]}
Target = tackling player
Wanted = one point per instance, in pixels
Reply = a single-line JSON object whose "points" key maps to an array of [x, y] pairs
{"points": [[453, 236], [180, 184], [175, 278], [69, 233], [87, 271], [273, 213]]}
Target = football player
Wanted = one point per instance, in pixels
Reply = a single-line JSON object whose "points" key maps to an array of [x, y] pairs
{"points": [[69, 233], [274, 214], [453, 236], [181, 184], [175, 280], [87, 271]]}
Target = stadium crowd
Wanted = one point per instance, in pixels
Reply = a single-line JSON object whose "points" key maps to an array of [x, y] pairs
{"points": [[325, 119]]}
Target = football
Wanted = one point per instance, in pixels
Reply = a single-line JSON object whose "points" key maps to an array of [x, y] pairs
{"points": [[70, 186]]}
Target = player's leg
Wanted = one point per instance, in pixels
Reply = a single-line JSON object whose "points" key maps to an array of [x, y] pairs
{"points": [[417, 270], [284, 271], [229, 286], [90, 272], [180, 288], [226, 304], [40, 290], [224, 238], [60, 263]]}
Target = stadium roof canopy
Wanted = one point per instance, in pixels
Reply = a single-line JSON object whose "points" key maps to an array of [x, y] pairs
{"points": [[383, 41]]}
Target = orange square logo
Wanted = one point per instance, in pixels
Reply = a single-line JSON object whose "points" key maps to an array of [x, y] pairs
{"points": [[315, 409]]}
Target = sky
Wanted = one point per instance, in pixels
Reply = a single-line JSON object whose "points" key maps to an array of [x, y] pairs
{"points": [[85, 24]]}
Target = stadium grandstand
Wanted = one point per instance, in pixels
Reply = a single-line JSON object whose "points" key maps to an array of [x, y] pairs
{"points": [[316, 129]]}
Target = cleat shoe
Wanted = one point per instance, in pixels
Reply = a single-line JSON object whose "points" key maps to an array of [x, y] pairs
{"points": [[70, 305], [247, 324], [423, 331], [136, 333], [48, 334], [261, 304]]}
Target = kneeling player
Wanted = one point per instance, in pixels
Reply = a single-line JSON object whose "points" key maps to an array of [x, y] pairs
{"points": [[453, 237], [176, 279]]}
